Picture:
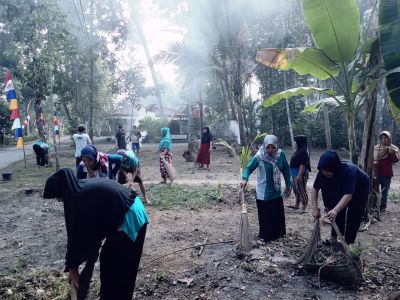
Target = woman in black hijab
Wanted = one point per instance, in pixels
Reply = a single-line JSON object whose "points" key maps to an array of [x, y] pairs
{"points": [[98, 209], [345, 190], [204, 157], [299, 168]]}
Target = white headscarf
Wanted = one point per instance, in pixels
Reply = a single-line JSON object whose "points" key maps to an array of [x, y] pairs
{"points": [[271, 159]]}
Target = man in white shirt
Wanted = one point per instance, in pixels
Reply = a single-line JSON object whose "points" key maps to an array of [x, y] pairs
{"points": [[81, 139]]}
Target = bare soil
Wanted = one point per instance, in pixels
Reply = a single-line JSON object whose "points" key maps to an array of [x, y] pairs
{"points": [[33, 238]]}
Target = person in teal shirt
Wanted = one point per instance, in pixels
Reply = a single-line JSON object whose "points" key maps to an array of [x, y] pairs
{"points": [[98, 210], [42, 151], [131, 164], [270, 162]]}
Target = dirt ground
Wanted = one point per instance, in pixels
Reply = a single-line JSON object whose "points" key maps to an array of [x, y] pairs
{"points": [[33, 238]]}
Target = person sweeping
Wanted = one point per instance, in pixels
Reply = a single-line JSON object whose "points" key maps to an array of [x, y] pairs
{"points": [[270, 162], [97, 210], [131, 164], [345, 190]]}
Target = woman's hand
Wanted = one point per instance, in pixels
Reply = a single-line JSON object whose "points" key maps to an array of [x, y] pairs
{"points": [[73, 277], [316, 213], [243, 185], [287, 192], [331, 215]]}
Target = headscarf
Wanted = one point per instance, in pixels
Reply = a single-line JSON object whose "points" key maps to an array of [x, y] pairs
{"points": [[100, 159], [382, 151], [166, 142], [206, 137], [302, 150], [92, 210], [330, 161], [271, 159]]}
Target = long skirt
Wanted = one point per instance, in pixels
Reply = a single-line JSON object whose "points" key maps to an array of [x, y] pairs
{"points": [[119, 264], [163, 170], [203, 157], [271, 218], [300, 190], [349, 219]]}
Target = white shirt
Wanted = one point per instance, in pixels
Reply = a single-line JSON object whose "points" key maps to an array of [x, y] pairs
{"points": [[81, 140]]}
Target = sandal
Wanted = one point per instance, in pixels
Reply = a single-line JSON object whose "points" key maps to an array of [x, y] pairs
{"points": [[292, 206]]}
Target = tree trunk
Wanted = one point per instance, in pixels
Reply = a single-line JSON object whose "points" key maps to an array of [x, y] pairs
{"points": [[38, 99], [151, 66], [327, 126], [91, 75], [53, 105], [288, 114], [191, 137], [351, 135], [242, 134]]}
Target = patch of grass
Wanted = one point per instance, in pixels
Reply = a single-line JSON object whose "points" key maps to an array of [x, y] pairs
{"points": [[394, 197], [38, 285], [170, 196], [356, 250], [20, 265], [159, 276]]}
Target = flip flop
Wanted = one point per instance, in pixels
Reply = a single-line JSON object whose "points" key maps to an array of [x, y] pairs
{"points": [[292, 206]]}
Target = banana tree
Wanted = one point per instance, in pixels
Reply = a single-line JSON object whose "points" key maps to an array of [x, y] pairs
{"points": [[335, 28], [389, 44]]}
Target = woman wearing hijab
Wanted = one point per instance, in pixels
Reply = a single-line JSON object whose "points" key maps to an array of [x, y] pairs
{"points": [[299, 168], [345, 190], [385, 155], [95, 210], [97, 164], [270, 162], [203, 157], [165, 153]]}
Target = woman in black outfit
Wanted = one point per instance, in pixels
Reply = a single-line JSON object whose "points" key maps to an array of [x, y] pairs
{"points": [[98, 209]]}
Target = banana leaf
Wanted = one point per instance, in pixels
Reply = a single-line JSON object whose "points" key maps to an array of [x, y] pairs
{"points": [[300, 91], [335, 26], [389, 43], [302, 60]]}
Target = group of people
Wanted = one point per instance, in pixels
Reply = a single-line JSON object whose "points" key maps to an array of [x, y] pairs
{"points": [[345, 187], [98, 208]]}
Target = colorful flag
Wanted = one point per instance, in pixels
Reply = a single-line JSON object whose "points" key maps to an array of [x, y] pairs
{"points": [[56, 127], [13, 105]]}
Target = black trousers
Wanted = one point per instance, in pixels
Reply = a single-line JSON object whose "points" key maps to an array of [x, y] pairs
{"points": [[40, 155], [119, 264], [349, 219], [271, 218]]}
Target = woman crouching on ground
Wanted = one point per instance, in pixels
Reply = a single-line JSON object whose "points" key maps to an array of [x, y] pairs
{"points": [[95, 210], [345, 190], [270, 162]]}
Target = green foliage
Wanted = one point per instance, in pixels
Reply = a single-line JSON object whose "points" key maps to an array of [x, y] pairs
{"points": [[389, 43], [305, 61], [152, 127], [303, 91], [356, 250], [172, 196], [335, 27]]}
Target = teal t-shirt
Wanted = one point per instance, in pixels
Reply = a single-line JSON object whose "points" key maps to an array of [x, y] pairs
{"points": [[134, 219], [131, 160]]}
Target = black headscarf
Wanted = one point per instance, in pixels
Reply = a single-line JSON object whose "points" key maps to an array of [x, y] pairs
{"points": [[206, 137], [330, 161], [301, 156], [93, 208]]}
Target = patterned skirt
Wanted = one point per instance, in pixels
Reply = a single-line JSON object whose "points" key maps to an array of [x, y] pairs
{"points": [[163, 170]]}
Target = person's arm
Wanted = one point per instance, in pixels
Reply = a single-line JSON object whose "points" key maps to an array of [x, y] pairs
{"points": [[251, 166], [116, 162], [286, 175], [81, 174], [342, 204], [393, 156], [89, 141], [315, 211], [299, 177]]}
